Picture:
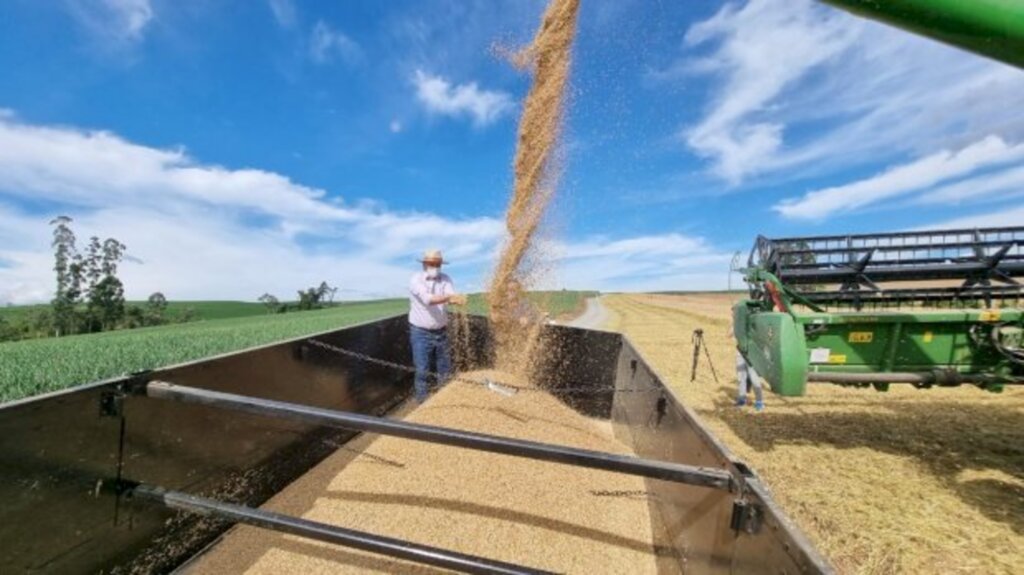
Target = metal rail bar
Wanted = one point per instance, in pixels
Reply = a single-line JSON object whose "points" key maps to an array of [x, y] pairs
{"points": [[328, 533], [903, 235], [921, 294], [993, 28], [907, 263], [904, 273], [935, 247], [905, 377], [712, 478]]}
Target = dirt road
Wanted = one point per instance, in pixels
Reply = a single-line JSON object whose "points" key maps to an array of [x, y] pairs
{"points": [[595, 316]]}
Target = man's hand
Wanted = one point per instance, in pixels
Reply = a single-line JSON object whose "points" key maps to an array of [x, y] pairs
{"points": [[457, 299]]}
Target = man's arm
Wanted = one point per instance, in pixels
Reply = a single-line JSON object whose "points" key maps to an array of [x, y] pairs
{"points": [[420, 292], [454, 297]]}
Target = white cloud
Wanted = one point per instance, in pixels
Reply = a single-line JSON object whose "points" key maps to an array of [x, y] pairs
{"points": [[395, 126], [327, 43], [284, 12], [94, 169], [201, 231], [657, 262], [918, 175], [192, 224], [801, 87], [763, 48], [120, 21], [1001, 218], [439, 96], [998, 185]]}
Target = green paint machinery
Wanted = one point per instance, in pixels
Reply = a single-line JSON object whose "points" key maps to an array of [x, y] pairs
{"points": [[928, 308]]}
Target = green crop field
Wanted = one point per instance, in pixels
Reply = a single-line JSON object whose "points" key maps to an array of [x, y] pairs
{"points": [[557, 303], [215, 309], [37, 366], [202, 309]]}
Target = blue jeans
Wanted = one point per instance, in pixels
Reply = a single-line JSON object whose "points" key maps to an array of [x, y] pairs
{"points": [[429, 347], [746, 377]]}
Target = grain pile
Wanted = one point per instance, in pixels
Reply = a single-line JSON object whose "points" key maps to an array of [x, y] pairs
{"points": [[549, 56], [909, 481], [542, 515]]}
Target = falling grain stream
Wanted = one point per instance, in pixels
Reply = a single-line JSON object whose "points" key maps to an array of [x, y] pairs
{"points": [[539, 514]]}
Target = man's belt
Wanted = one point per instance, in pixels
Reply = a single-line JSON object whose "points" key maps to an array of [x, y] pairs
{"points": [[437, 330]]}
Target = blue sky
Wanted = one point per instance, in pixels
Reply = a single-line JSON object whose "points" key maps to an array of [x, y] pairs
{"points": [[242, 147]]}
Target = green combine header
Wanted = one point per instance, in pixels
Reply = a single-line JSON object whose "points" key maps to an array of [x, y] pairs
{"points": [[925, 308]]}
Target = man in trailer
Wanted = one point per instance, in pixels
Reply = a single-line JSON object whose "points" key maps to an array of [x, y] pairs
{"points": [[430, 291]]}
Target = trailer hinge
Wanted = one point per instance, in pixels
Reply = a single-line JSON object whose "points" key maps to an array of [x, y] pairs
{"points": [[746, 517], [112, 403]]}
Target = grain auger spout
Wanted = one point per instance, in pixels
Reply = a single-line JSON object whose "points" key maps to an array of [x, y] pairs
{"points": [[926, 308], [993, 28]]}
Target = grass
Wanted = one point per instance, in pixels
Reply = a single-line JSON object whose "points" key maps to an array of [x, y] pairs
{"points": [[557, 303], [215, 309], [38, 366]]}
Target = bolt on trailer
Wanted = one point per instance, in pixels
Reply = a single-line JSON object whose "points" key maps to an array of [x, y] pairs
{"points": [[926, 308]]}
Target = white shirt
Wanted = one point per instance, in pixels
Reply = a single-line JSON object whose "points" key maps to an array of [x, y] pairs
{"points": [[421, 289]]}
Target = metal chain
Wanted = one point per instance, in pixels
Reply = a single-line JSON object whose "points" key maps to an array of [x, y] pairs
{"points": [[463, 379]]}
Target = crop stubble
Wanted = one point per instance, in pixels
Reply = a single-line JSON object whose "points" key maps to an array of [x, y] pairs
{"points": [[909, 481], [540, 514]]}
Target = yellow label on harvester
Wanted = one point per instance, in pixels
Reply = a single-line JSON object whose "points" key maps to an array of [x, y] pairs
{"points": [[837, 358], [928, 336], [861, 337], [989, 315]]}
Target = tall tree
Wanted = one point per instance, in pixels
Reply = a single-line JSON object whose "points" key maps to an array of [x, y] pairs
{"points": [[113, 253], [309, 299], [326, 292], [156, 305], [105, 296], [91, 263], [106, 301], [69, 275], [273, 305]]}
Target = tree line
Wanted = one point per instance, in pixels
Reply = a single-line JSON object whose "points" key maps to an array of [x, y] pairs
{"points": [[89, 295], [311, 298]]}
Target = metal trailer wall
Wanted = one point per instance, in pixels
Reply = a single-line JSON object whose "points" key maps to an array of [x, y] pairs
{"points": [[54, 448], [694, 524]]}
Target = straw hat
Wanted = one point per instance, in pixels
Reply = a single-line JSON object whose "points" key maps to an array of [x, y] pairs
{"points": [[432, 257]]}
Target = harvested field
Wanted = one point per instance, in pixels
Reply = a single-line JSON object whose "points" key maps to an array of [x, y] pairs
{"points": [[909, 481], [540, 514]]}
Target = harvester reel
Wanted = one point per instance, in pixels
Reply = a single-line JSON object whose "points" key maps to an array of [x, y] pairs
{"points": [[806, 320]]}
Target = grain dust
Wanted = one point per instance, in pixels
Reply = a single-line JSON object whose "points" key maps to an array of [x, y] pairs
{"points": [[515, 322]]}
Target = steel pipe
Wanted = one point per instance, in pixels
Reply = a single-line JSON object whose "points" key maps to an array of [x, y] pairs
{"points": [[926, 377], [1015, 231], [328, 533], [893, 271], [713, 478], [993, 28]]}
